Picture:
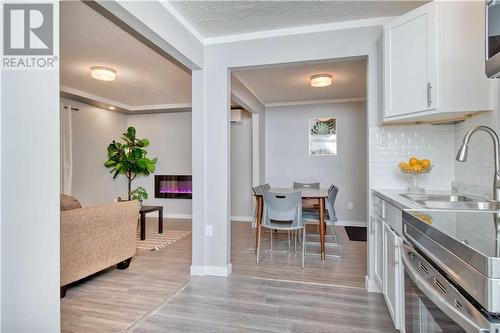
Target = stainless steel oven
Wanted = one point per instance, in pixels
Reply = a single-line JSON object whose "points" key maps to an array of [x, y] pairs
{"points": [[432, 303], [493, 38]]}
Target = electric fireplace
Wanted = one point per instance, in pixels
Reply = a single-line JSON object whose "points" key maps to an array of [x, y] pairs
{"points": [[173, 187]]}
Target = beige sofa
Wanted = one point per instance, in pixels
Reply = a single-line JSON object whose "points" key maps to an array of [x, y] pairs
{"points": [[95, 238]]}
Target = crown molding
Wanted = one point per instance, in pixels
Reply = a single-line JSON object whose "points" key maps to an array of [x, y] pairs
{"points": [[377, 21], [183, 21], [105, 103], [352, 24], [315, 101]]}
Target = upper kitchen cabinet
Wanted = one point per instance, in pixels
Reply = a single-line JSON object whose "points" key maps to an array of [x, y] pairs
{"points": [[434, 63]]}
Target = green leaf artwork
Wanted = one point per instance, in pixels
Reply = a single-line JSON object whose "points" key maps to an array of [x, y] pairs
{"points": [[322, 136], [129, 158]]}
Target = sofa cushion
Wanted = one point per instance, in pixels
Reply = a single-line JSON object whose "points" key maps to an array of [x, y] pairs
{"points": [[68, 202]]}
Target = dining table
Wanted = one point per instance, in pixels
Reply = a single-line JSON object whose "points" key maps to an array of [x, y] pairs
{"points": [[307, 193]]}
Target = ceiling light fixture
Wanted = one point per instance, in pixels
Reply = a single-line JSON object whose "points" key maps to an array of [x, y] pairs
{"points": [[321, 80], [111, 108], [103, 73]]}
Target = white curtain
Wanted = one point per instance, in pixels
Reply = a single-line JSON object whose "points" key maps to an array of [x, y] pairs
{"points": [[66, 150]]}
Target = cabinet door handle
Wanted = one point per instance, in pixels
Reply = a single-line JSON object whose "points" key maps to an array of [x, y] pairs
{"points": [[429, 94], [396, 247], [389, 248]]}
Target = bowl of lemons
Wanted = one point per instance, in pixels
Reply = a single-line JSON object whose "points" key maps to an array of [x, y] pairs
{"points": [[415, 167]]}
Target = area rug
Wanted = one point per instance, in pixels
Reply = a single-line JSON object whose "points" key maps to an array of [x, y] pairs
{"points": [[155, 241], [356, 233]]}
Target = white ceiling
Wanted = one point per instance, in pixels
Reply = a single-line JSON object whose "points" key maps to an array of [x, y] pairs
{"points": [[221, 18], [144, 79], [291, 83]]}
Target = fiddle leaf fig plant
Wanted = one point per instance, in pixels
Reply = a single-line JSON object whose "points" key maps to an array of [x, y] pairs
{"points": [[129, 158]]}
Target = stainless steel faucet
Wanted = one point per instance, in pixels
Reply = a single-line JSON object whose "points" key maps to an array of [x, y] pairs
{"points": [[462, 155]]}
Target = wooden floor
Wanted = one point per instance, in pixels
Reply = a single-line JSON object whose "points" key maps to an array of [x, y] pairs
{"points": [[350, 270], [240, 304], [156, 293], [113, 300]]}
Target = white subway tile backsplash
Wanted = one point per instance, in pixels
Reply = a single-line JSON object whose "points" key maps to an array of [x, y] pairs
{"points": [[391, 145]]}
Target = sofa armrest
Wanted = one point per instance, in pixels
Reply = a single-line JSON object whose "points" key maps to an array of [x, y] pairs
{"points": [[95, 238]]}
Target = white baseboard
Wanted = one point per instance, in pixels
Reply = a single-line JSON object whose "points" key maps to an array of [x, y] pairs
{"points": [[242, 218], [372, 286], [223, 271], [178, 216]]}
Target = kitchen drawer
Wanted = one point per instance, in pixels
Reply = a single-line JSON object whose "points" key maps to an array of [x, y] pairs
{"points": [[379, 206], [394, 217]]}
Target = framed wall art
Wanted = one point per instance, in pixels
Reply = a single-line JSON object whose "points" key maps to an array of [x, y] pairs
{"points": [[323, 136]]}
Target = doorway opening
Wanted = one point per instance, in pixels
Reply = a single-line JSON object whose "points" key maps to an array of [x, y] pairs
{"points": [[288, 152], [126, 115]]}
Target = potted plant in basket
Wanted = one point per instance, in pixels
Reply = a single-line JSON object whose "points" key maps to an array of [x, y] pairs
{"points": [[129, 158], [139, 194]]}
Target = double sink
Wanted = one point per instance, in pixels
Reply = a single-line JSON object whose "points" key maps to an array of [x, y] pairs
{"points": [[451, 202]]}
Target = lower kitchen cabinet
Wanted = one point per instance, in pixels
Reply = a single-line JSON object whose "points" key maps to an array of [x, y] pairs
{"points": [[378, 231], [388, 270], [392, 277]]}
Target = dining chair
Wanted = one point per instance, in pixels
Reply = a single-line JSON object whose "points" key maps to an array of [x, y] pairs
{"points": [[282, 211], [297, 185], [307, 203], [256, 189], [312, 217]]}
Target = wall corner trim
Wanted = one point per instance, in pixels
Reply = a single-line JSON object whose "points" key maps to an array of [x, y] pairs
{"points": [[371, 286], [222, 271]]}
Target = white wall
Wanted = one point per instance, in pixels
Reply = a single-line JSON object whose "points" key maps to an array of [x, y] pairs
{"points": [[93, 130], [241, 169], [288, 160], [214, 255], [30, 198], [169, 137]]}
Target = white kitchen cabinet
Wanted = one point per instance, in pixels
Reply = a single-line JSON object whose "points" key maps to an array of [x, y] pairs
{"points": [[392, 284], [378, 227], [434, 63]]}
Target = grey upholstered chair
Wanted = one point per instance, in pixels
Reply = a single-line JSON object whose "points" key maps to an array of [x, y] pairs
{"points": [[305, 185], [330, 217], [282, 211]]}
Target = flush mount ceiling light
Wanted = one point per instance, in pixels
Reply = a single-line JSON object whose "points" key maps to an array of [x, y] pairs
{"points": [[321, 80], [103, 73], [111, 108]]}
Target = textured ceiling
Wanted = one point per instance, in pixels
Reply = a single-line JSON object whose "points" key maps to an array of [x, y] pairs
{"points": [[291, 83], [220, 18], [144, 78]]}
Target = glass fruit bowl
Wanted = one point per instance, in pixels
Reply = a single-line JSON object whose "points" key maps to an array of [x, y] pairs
{"points": [[415, 174]]}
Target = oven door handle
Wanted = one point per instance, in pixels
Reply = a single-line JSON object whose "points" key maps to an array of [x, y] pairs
{"points": [[426, 287]]}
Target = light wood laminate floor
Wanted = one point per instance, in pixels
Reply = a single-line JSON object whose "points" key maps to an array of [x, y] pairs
{"points": [[112, 300], [349, 270], [156, 293], [239, 304]]}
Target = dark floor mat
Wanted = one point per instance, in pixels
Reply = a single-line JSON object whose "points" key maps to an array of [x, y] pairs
{"points": [[356, 233]]}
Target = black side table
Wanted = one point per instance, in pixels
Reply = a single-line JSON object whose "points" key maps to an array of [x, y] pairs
{"points": [[148, 209]]}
